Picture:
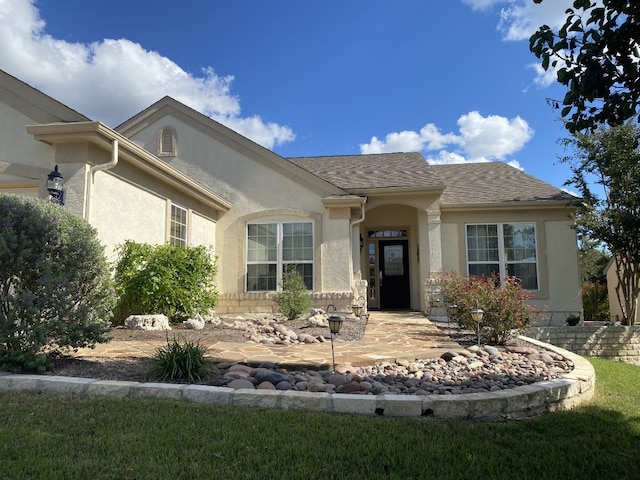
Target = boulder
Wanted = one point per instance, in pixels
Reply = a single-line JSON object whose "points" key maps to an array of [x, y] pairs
{"points": [[147, 322]]}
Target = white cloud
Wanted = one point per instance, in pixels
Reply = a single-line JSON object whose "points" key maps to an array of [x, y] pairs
{"points": [[480, 139], [111, 80]]}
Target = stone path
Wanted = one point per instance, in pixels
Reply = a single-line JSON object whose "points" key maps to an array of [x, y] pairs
{"points": [[389, 337]]}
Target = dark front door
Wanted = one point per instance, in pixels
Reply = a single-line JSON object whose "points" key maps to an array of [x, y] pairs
{"points": [[394, 274]]}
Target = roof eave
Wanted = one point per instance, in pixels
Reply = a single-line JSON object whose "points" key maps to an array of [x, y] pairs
{"points": [[103, 136]]}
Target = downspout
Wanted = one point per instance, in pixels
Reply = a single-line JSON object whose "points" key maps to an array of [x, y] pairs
{"points": [[94, 169]]}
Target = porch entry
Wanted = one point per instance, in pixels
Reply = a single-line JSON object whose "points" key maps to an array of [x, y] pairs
{"points": [[388, 264]]}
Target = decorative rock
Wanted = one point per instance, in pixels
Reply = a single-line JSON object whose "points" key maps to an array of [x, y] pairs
{"points": [[147, 322], [196, 323], [265, 386], [240, 384], [491, 350]]}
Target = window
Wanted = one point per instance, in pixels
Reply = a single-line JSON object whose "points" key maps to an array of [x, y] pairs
{"points": [[178, 227], [504, 249], [167, 142], [273, 246]]}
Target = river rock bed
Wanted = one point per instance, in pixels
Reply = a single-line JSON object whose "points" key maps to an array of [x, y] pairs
{"points": [[472, 370]]}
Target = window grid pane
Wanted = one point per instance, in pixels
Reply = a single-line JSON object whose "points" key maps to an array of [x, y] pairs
{"points": [[272, 246], [503, 249], [178, 227]]}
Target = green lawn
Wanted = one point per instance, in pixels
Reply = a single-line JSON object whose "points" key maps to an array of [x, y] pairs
{"points": [[49, 436]]}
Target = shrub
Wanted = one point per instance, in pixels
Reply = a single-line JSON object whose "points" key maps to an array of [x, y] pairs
{"points": [[181, 360], [293, 300], [595, 301], [174, 281], [56, 291], [504, 303]]}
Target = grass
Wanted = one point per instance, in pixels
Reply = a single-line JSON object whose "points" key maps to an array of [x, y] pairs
{"points": [[51, 436]]}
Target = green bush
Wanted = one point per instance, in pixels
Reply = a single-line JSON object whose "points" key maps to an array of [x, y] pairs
{"points": [[505, 307], [181, 360], [293, 300], [56, 291], [595, 301], [175, 281]]}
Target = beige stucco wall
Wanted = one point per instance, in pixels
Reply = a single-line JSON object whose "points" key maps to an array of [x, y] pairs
{"points": [[614, 304], [558, 274], [258, 192], [122, 211], [202, 231]]}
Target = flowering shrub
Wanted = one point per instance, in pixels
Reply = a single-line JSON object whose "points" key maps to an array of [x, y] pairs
{"points": [[56, 291], [504, 304], [174, 281]]}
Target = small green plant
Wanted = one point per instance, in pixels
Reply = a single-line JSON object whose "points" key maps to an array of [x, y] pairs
{"points": [[56, 291], [573, 320], [293, 300], [173, 281], [505, 307], [181, 360]]}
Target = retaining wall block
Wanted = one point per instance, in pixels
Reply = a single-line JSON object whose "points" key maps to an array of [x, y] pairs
{"points": [[359, 404], [256, 398], [312, 401], [111, 388], [208, 394], [391, 405], [450, 406], [63, 384], [19, 381], [158, 390]]}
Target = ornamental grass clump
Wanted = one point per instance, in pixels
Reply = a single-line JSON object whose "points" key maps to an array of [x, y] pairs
{"points": [[506, 311], [181, 360], [56, 291]]}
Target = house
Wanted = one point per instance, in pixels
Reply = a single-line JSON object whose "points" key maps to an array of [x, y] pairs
{"points": [[379, 229]]}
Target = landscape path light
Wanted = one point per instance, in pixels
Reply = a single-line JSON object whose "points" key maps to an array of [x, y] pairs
{"points": [[477, 314], [357, 307], [452, 311], [335, 324], [55, 186]]}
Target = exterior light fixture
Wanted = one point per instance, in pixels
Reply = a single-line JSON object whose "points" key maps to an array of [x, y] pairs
{"points": [[452, 311], [335, 324], [477, 314], [357, 307], [55, 186]]}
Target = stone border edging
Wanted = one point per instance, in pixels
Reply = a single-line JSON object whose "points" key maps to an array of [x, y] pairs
{"points": [[519, 402]]}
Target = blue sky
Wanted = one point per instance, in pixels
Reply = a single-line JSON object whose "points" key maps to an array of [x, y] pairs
{"points": [[452, 79]]}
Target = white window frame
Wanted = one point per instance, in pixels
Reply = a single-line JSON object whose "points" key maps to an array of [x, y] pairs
{"points": [[178, 241], [170, 131], [502, 261], [279, 261]]}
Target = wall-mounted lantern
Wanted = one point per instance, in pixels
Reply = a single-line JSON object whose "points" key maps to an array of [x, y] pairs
{"points": [[55, 186]]}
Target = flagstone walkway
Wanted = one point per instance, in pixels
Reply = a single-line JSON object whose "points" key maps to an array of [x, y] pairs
{"points": [[389, 337]]}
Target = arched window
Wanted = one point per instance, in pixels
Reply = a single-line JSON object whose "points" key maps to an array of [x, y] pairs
{"points": [[167, 142]]}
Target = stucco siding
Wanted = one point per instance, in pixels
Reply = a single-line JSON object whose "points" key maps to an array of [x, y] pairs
{"points": [[202, 231], [562, 267], [141, 215]]}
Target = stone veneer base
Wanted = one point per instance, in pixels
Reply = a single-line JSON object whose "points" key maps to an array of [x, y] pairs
{"points": [[516, 403]]}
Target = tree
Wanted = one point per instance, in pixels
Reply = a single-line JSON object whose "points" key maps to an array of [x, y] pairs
{"points": [[609, 159], [56, 291], [597, 56]]}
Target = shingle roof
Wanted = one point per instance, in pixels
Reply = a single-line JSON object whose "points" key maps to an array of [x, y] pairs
{"points": [[494, 182], [385, 170], [465, 184]]}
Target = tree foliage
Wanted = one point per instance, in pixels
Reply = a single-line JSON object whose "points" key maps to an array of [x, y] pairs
{"points": [[163, 279], [605, 166], [56, 291], [596, 54]]}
